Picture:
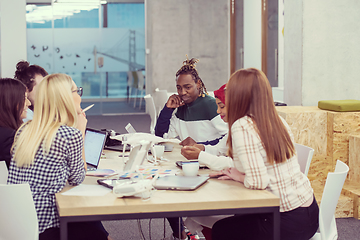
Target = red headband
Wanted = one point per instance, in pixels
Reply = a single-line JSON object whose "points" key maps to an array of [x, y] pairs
{"points": [[220, 93]]}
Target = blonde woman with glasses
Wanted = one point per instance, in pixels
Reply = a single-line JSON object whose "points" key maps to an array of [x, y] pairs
{"points": [[48, 152]]}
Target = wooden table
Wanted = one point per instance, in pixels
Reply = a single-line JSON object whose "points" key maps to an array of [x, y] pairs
{"points": [[216, 197]]}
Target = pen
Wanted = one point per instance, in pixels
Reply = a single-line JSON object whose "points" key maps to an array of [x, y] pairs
{"points": [[87, 108]]}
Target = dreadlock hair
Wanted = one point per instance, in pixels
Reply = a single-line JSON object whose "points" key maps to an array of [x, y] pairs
{"points": [[188, 67]]}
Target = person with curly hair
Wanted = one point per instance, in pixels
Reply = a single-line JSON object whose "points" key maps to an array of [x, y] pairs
{"points": [[196, 119], [31, 76]]}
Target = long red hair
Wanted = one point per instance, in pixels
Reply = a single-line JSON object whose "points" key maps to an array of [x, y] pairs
{"points": [[248, 93]]}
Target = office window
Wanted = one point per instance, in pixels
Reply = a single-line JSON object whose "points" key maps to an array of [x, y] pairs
{"points": [[67, 15], [96, 44], [38, 16], [126, 15]]}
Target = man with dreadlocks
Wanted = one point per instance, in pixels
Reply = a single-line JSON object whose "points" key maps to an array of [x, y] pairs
{"points": [[196, 115], [195, 121]]}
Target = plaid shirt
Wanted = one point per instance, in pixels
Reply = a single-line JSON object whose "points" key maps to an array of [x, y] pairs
{"points": [[49, 172], [285, 180]]}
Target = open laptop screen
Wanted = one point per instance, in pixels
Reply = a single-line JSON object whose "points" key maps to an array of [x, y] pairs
{"points": [[94, 144]]}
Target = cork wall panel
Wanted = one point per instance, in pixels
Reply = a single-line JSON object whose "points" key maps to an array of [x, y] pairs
{"points": [[344, 124], [308, 124], [332, 135], [354, 158]]}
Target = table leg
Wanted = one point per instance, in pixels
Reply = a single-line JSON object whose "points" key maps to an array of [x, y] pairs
{"points": [[276, 224], [63, 229], [356, 206], [180, 233]]}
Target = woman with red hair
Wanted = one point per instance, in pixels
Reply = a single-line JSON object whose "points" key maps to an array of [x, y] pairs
{"points": [[262, 147]]}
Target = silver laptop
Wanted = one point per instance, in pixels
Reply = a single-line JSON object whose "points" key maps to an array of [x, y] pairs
{"points": [[180, 182], [94, 143]]}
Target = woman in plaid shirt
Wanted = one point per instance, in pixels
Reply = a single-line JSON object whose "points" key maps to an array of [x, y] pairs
{"points": [[48, 152], [262, 147]]}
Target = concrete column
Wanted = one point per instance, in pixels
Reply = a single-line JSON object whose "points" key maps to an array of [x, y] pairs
{"points": [[321, 51], [13, 35], [293, 31], [196, 28]]}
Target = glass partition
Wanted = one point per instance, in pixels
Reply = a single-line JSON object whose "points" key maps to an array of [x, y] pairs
{"points": [[101, 46]]}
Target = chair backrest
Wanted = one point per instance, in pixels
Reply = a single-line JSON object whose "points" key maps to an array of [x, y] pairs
{"points": [[141, 80], [332, 190], [304, 155], [135, 79], [3, 172], [150, 108], [130, 79], [18, 219], [161, 97], [211, 93]]}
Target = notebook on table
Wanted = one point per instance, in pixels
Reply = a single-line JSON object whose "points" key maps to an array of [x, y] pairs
{"points": [[182, 183], [94, 143]]}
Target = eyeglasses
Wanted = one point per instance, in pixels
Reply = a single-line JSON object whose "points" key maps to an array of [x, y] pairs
{"points": [[79, 91]]}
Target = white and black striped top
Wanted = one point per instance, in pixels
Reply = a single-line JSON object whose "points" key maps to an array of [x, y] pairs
{"points": [[198, 120]]}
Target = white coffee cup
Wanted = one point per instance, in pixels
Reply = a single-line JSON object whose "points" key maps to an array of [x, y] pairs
{"points": [[158, 150], [190, 169]]}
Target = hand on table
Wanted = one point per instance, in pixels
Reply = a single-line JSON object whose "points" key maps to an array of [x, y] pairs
{"points": [[216, 174], [232, 174], [187, 142], [174, 101], [190, 152]]}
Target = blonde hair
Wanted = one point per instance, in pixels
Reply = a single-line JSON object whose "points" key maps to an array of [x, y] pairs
{"points": [[54, 107]]}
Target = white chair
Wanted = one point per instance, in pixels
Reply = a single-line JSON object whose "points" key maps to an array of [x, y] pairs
{"points": [[130, 83], [140, 87], [160, 99], [211, 94], [150, 108], [18, 219], [3, 172], [304, 155], [332, 190]]}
